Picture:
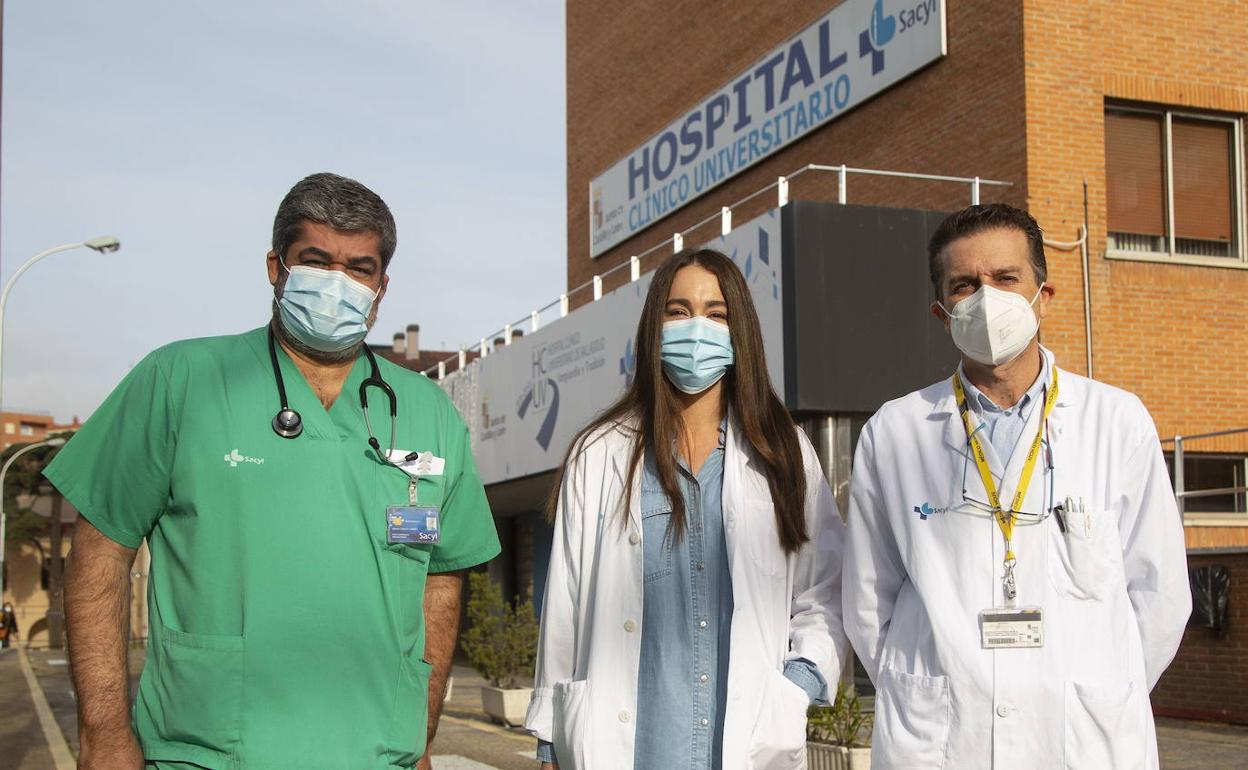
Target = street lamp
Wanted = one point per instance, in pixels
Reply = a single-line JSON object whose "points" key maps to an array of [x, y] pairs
{"points": [[105, 244], [4, 517]]}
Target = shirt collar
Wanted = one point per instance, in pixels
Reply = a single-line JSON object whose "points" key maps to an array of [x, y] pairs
{"points": [[980, 403]]}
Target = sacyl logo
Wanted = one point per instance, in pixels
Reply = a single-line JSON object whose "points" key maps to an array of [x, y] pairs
{"points": [[883, 27], [926, 510], [873, 39], [234, 458]]}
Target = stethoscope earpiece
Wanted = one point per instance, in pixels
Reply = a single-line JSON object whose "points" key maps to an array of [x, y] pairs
{"points": [[287, 423]]}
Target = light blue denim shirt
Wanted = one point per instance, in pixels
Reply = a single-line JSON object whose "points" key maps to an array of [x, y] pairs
{"points": [[1004, 426], [682, 678]]}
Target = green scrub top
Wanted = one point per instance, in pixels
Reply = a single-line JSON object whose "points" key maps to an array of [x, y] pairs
{"points": [[285, 631]]}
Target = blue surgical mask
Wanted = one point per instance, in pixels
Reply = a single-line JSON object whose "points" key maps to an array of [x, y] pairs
{"points": [[696, 353], [325, 309]]}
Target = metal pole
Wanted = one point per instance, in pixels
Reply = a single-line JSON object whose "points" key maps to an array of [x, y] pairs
{"points": [[1087, 290], [975, 192], [1179, 497], [56, 580], [105, 244], [842, 191]]}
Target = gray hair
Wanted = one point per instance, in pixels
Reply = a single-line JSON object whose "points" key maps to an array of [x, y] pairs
{"points": [[336, 201]]}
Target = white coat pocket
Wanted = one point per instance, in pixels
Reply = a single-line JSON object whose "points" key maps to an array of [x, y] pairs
{"points": [[911, 721], [779, 739], [1105, 727], [571, 724], [1081, 561]]}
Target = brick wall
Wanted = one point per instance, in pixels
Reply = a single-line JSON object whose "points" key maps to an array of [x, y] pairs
{"points": [[1209, 677], [1173, 334]]}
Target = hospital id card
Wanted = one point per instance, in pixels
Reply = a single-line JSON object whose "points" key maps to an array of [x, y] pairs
{"points": [[1004, 628], [413, 524]]}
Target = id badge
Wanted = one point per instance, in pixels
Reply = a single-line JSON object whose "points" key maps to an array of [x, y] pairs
{"points": [[413, 524], [1005, 628]]}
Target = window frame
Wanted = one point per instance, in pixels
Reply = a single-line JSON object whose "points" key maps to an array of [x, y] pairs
{"points": [[1239, 256]]}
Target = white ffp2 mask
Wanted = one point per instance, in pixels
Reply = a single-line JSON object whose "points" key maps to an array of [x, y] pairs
{"points": [[993, 326]]}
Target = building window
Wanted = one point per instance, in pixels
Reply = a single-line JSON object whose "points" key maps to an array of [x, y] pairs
{"points": [[1174, 184], [9, 428], [1208, 472], [27, 430]]}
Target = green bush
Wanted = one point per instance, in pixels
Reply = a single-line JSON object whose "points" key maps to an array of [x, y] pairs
{"points": [[501, 641], [841, 724]]}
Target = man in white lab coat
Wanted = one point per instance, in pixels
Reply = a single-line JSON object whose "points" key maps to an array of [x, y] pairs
{"points": [[1015, 573]]}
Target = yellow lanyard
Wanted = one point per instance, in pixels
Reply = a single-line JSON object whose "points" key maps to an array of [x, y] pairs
{"points": [[1005, 518]]}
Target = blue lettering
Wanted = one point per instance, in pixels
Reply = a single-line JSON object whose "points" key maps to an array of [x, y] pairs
{"points": [[690, 137], [667, 139], [769, 138], [827, 62], [815, 102], [742, 158], [800, 122], [797, 72], [788, 123], [754, 153], [634, 218], [743, 108], [716, 114], [840, 96], [767, 71], [643, 172]]}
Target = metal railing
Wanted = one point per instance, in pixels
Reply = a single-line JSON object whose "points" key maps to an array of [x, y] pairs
{"points": [[534, 320], [1181, 492]]}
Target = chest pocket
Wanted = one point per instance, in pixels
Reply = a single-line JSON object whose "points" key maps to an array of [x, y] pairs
{"points": [[1083, 560], [430, 491], [656, 515]]}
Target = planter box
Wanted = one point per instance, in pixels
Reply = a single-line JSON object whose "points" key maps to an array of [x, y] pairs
{"points": [[506, 706], [823, 756]]}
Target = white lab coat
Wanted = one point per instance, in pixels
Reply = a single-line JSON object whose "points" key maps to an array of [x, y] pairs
{"points": [[1114, 588], [585, 698]]}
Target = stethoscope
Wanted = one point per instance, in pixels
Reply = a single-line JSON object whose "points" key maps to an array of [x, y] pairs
{"points": [[288, 424]]}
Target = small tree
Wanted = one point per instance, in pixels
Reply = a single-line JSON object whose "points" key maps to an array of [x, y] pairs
{"points": [[842, 723], [501, 642]]}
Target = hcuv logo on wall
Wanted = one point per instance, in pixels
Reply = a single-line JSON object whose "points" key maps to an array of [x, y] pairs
{"points": [[540, 395]]}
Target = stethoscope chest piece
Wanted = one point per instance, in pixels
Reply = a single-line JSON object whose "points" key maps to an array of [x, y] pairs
{"points": [[287, 423]]}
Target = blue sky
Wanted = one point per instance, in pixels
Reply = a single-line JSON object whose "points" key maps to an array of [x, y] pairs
{"points": [[178, 127]]}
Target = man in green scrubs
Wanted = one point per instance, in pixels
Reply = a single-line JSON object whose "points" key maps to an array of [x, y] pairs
{"points": [[295, 620]]}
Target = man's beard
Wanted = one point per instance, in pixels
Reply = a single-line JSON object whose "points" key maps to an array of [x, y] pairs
{"points": [[319, 356]]}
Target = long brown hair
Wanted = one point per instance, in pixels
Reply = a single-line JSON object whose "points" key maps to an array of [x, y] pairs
{"points": [[651, 405]]}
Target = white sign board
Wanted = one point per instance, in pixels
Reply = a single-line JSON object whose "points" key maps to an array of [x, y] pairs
{"points": [[855, 51], [524, 402]]}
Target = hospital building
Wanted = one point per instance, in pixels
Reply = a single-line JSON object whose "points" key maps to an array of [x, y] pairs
{"points": [[819, 144]]}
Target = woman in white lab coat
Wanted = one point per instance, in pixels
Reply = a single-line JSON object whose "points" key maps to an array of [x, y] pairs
{"points": [[692, 606]]}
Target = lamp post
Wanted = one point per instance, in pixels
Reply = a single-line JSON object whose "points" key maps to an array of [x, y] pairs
{"points": [[105, 244], [4, 517]]}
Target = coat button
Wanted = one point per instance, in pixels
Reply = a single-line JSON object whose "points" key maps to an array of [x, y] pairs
{"points": [[630, 625], [701, 624], [1003, 711], [624, 716], [633, 539], [705, 722]]}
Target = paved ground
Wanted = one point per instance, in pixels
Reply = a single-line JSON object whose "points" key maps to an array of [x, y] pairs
{"points": [[22, 745], [466, 739], [1188, 745]]}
